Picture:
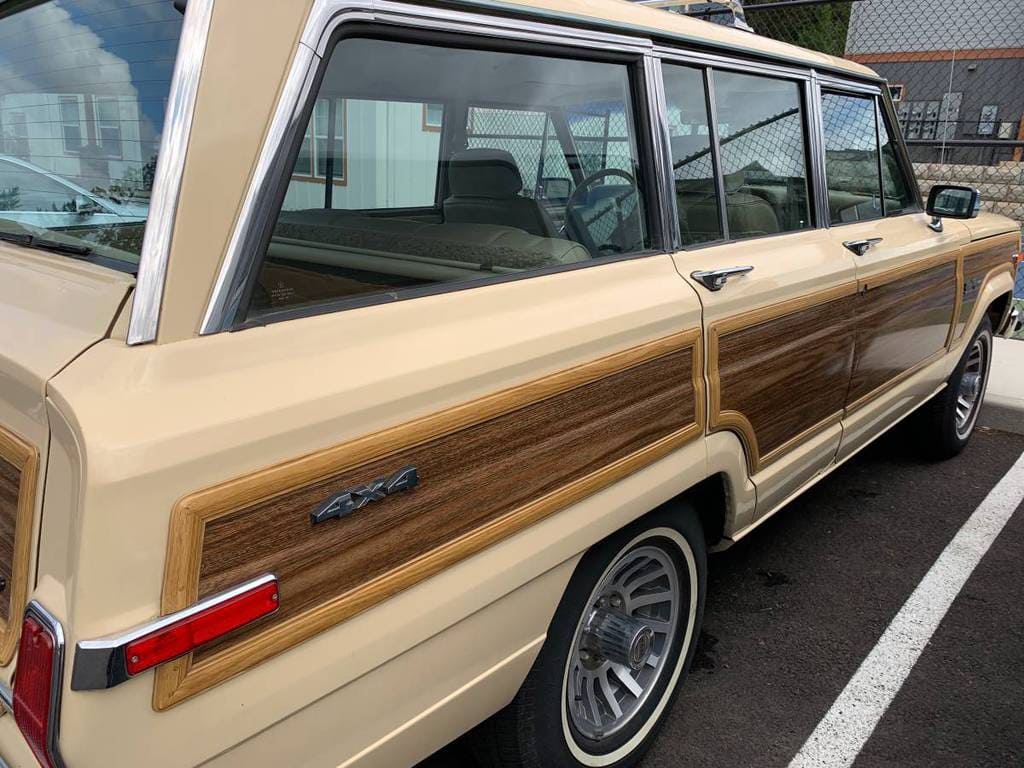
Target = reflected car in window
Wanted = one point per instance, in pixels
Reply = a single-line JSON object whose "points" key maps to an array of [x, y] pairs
{"points": [[32, 195]]}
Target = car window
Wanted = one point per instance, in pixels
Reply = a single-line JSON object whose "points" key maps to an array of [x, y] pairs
{"points": [[851, 158], [692, 163], [337, 166], [898, 197], [762, 134], [449, 165], [82, 103]]}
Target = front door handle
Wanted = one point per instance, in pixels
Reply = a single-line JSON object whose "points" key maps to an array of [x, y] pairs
{"points": [[715, 279], [860, 247]]}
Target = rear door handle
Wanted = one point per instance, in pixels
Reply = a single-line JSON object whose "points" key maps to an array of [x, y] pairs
{"points": [[715, 279], [860, 247]]}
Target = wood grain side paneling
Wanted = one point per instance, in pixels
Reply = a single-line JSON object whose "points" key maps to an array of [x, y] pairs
{"points": [[779, 374], [487, 469], [19, 467], [902, 323], [980, 261]]}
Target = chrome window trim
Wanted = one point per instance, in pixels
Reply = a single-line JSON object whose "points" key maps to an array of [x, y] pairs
{"points": [[53, 626], [325, 18], [101, 664], [817, 140], [327, 15], [885, 115], [661, 145], [240, 257], [829, 82], [721, 61], [170, 168]]}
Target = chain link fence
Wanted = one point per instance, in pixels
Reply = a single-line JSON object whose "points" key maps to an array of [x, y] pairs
{"points": [[956, 74]]}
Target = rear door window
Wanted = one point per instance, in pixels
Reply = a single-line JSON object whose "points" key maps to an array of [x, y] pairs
{"points": [[443, 165], [762, 135]]}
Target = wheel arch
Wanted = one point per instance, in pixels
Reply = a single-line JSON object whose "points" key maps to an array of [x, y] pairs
{"points": [[998, 310]]}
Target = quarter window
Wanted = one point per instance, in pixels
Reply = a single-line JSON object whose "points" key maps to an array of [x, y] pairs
{"points": [[536, 168], [851, 158], [898, 198], [761, 131]]}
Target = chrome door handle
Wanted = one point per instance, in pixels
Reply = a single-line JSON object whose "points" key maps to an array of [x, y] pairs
{"points": [[715, 279], [860, 247]]}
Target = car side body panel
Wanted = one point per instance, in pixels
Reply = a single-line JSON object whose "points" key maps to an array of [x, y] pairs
{"points": [[541, 416], [196, 414]]}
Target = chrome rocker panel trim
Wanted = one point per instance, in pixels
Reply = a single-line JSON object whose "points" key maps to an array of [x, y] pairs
{"points": [[101, 664]]}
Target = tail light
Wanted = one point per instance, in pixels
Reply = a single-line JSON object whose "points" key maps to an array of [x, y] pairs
{"points": [[110, 661], [37, 683]]}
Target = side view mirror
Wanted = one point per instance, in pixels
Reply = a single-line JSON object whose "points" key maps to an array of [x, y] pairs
{"points": [[951, 202]]}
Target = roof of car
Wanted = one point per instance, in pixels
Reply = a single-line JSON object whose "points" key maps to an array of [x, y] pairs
{"points": [[633, 18]]}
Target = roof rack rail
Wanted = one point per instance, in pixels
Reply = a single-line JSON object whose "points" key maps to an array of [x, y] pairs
{"points": [[728, 13]]}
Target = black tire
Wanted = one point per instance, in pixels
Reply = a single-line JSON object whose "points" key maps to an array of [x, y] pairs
{"points": [[535, 730], [942, 433]]}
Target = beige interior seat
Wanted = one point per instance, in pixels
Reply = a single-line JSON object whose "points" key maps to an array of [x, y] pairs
{"points": [[485, 185], [748, 214]]}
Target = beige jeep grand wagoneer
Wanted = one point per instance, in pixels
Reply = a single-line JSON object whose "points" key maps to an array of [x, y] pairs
{"points": [[420, 356]]}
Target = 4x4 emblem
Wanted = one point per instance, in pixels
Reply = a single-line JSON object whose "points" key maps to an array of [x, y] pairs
{"points": [[347, 502]]}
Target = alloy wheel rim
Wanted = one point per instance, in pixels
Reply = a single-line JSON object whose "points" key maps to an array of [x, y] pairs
{"points": [[972, 386], [642, 589]]}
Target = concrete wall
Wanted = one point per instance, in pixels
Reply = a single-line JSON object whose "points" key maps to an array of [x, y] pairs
{"points": [[1002, 186]]}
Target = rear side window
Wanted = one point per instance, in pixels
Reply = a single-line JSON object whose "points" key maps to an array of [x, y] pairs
{"points": [[761, 132], [448, 165], [851, 158]]}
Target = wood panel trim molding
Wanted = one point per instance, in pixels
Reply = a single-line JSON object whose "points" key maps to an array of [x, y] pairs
{"points": [[894, 381], [25, 458], [878, 279], [958, 303], [734, 421], [185, 677], [1009, 240]]}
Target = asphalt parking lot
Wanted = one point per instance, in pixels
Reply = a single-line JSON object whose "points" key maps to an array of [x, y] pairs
{"points": [[794, 609]]}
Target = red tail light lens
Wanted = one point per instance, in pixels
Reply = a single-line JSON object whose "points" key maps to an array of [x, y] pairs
{"points": [[188, 634], [33, 686]]}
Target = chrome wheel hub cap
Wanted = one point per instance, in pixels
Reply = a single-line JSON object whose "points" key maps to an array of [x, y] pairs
{"points": [[620, 648], [972, 385]]}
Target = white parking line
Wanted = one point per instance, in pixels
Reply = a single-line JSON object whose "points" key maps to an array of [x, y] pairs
{"points": [[850, 721]]}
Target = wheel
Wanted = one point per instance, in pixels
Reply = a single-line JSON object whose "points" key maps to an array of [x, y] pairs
{"points": [[951, 416], [616, 653]]}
